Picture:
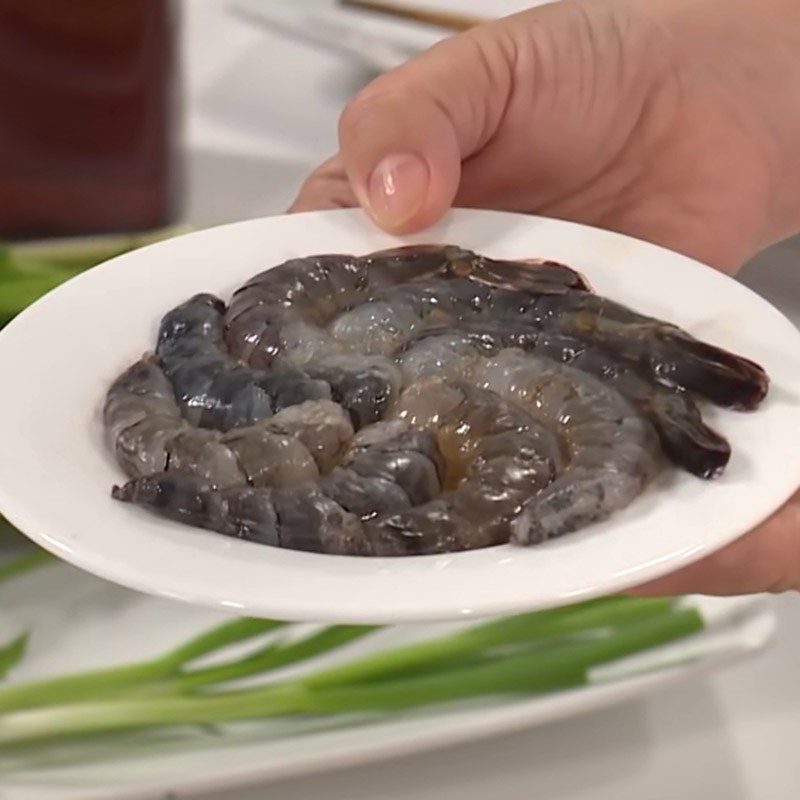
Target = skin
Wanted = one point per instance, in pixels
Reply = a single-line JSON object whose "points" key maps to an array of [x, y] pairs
{"points": [[674, 121]]}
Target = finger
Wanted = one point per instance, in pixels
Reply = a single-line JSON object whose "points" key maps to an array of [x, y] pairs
{"points": [[326, 187], [765, 560], [404, 137]]}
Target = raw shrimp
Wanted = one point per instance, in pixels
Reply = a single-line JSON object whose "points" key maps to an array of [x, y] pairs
{"points": [[212, 390], [612, 451], [145, 429], [364, 385], [386, 499], [313, 290], [380, 476], [666, 353], [300, 518], [417, 400], [495, 456], [287, 316], [685, 438], [146, 432]]}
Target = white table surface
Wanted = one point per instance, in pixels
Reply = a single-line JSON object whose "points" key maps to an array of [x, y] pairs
{"points": [[261, 111]]}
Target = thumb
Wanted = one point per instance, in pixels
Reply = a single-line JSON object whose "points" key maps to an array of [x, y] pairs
{"points": [[403, 138]]}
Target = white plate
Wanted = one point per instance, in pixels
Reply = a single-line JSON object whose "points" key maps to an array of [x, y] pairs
{"points": [[58, 358], [79, 623]]}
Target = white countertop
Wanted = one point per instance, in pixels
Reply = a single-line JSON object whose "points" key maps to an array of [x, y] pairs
{"points": [[261, 111]]}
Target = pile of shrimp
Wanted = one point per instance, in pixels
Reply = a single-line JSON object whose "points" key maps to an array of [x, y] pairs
{"points": [[419, 400]]}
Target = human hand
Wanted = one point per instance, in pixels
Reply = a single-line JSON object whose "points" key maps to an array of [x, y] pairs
{"points": [[669, 120]]}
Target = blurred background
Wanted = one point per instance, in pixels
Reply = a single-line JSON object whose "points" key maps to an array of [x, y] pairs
{"points": [[130, 116]]}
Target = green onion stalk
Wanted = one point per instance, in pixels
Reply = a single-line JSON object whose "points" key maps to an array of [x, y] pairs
{"points": [[528, 653]]}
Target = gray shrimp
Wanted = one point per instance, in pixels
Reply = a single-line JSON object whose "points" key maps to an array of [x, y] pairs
{"points": [[411, 401], [308, 292], [495, 456], [300, 518], [365, 385], [612, 451], [312, 313], [390, 495], [146, 432], [685, 438], [664, 352], [212, 390], [317, 315], [145, 429], [459, 467], [216, 392], [380, 476], [390, 317]]}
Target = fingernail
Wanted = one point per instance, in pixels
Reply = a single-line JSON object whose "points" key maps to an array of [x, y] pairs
{"points": [[397, 189]]}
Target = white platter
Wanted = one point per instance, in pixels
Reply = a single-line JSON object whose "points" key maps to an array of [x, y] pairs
{"points": [[78, 622], [58, 358]]}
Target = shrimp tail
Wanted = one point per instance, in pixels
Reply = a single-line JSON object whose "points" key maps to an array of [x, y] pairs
{"points": [[177, 496], [688, 442], [722, 377]]}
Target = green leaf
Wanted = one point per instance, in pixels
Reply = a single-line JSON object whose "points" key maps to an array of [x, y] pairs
{"points": [[12, 653]]}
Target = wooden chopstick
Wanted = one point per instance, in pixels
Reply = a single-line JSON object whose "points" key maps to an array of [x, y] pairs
{"points": [[453, 22]]}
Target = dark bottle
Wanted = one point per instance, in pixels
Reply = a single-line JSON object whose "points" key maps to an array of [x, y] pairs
{"points": [[87, 116]]}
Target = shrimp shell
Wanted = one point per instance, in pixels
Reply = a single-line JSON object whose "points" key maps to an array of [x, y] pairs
{"points": [[313, 290], [146, 431], [212, 390], [613, 452], [495, 456], [685, 438], [667, 354]]}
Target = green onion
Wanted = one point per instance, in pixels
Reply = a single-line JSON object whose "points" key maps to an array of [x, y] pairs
{"points": [[78, 687], [538, 625], [271, 657], [18, 293], [560, 666], [12, 653], [25, 562]]}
